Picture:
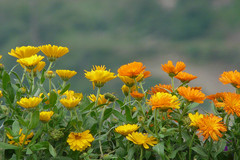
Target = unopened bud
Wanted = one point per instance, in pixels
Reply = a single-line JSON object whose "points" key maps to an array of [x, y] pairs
{"points": [[50, 74], [1, 67], [141, 119], [110, 97], [56, 134], [22, 90], [163, 130]]}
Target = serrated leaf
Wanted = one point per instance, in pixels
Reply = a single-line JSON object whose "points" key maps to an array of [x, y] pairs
{"points": [[15, 128]]}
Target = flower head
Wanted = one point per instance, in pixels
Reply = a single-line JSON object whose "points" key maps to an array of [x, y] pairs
{"points": [[65, 75], [217, 99], [164, 101], [99, 75], [45, 116], [1, 94], [195, 118], [125, 89], [30, 62], [142, 139], [138, 96], [161, 88], [80, 141], [171, 69], [126, 129], [39, 67], [185, 77], [29, 102], [231, 77], [131, 70], [53, 52], [20, 139], [210, 125], [192, 95], [24, 51], [71, 100], [101, 99], [231, 103]]}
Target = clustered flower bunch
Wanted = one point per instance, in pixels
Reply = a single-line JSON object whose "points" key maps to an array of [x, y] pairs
{"points": [[42, 120]]}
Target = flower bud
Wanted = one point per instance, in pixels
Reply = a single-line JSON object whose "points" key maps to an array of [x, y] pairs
{"points": [[50, 74], [110, 97], [141, 119], [163, 129], [1, 67], [56, 134], [22, 90]]}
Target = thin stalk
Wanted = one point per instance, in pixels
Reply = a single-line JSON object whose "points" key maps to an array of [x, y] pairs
{"points": [[23, 76], [141, 154], [140, 106], [210, 149], [98, 92], [50, 84], [227, 120], [99, 129], [155, 121], [64, 83], [172, 81], [190, 147], [49, 67]]}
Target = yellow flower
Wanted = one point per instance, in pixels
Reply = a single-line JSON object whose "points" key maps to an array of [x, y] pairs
{"points": [[125, 89], [0, 57], [39, 67], [126, 129], [1, 94], [30, 62], [101, 99], [45, 116], [24, 51], [192, 95], [99, 75], [142, 139], [53, 52], [20, 139], [128, 81], [195, 118], [72, 99], [164, 101], [210, 125], [80, 141], [65, 75], [29, 102]]}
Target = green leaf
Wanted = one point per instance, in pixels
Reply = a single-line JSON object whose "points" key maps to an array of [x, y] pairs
{"points": [[53, 98], [15, 128], [200, 151], [29, 151], [128, 114], [52, 150], [159, 148], [65, 88], [119, 115], [220, 147], [34, 120], [89, 107], [107, 113], [89, 122], [6, 84], [130, 154], [40, 146], [42, 77], [61, 158], [192, 105], [7, 146]]}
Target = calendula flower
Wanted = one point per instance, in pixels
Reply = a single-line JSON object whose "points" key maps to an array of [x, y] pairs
{"points": [[99, 75], [231, 103], [161, 88], [70, 101], [138, 96], [142, 139], [101, 99], [231, 77], [29, 102], [210, 125], [126, 129], [20, 139], [53, 52], [50, 74], [185, 77], [131, 70], [125, 89], [69, 93], [164, 101], [171, 69], [217, 99], [45, 116], [65, 75], [80, 141], [39, 67], [195, 118], [197, 88], [1, 94], [192, 95], [30, 62], [0, 57], [24, 51]]}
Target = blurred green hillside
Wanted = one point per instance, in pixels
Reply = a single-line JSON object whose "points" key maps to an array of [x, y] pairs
{"points": [[112, 33]]}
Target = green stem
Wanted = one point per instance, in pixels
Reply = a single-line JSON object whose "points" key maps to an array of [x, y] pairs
{"points": [[140, 106], [100, 128], [64, 83], [172, 81], [141, 154], [210, 149], [238, 90], [227, 120], [98, 93], [49, 67], [155, 121], [23, 76], [190, 146]]}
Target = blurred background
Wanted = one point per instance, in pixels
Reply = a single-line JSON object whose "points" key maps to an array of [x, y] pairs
{"points": [[205, 34]]}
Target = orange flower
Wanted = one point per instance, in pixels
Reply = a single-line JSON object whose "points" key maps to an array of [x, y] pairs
{"points": [[138, 96], [185, 77], [231, 77], [191, 95], [161, 88], [197, 88], [217, 99], [164, 101], [210, 125], [131, 69], [171, 69], [231, 103]]}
